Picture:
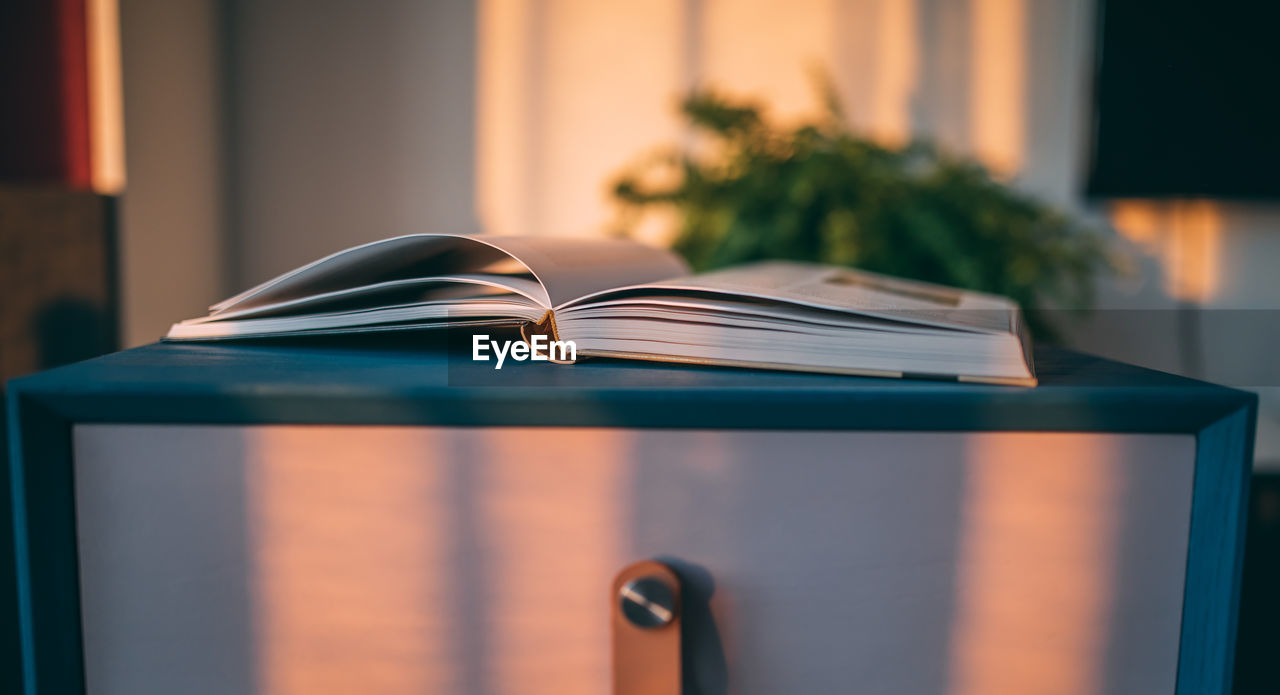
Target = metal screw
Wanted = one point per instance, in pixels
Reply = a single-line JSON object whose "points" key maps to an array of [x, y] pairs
{"points": [[648, 602]]}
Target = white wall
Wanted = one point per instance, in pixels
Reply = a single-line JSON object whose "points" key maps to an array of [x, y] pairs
{"points": [[172, 221], [349, 121], [261, 135]]}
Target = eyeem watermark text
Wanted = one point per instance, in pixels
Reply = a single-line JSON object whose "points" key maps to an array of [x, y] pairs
{"points": [[539, 348]]}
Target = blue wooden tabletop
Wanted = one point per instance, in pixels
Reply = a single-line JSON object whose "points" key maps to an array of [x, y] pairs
{"points": [[421, 381]]}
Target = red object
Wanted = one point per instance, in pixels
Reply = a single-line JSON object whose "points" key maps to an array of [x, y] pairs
{"points": [[44, 93]]}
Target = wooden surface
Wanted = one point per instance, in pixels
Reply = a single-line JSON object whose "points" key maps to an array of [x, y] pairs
{"points": [[301, 559], [1219, 513]]}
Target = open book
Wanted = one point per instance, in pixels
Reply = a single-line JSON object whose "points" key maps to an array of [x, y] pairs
{"points": [[616, 298]]}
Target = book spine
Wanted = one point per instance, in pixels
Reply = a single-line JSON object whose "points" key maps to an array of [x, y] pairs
{"points": [[545, 326]]}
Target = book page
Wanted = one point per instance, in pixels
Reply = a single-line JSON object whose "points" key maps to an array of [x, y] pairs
{"points": [[374, 318], [441, 288], [562, 268], [570, 268], [839, 289]]}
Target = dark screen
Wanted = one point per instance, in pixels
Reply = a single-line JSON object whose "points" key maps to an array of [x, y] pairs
{"points": [[1187, 99]]}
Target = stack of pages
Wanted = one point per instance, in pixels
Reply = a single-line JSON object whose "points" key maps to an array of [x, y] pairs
{"points": [[616, 298]]}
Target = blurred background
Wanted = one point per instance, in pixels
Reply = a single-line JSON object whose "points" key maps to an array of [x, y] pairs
{"points": [[157, 156]]}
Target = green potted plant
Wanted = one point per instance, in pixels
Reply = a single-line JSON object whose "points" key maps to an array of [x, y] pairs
{"points": [[820, 192]]}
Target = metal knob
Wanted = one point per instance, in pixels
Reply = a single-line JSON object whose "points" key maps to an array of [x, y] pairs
{"points": [[647, 627], [648, 602]]}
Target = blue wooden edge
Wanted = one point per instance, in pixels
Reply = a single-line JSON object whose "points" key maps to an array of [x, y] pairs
{"points": [[266, 385], [417, 385], [1215, 553]]}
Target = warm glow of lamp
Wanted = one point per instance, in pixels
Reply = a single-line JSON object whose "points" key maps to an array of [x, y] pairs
{"points": [[895, 73], [349, 533], [535, 499], [106, 99], [400, 560], [1021, 513], [1138, 221], [1186, 236], [505, 73], [997, 103], [1196, 253]]}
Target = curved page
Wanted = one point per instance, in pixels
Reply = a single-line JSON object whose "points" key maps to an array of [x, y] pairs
{"points": [[439, 289], [563, 268]]}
